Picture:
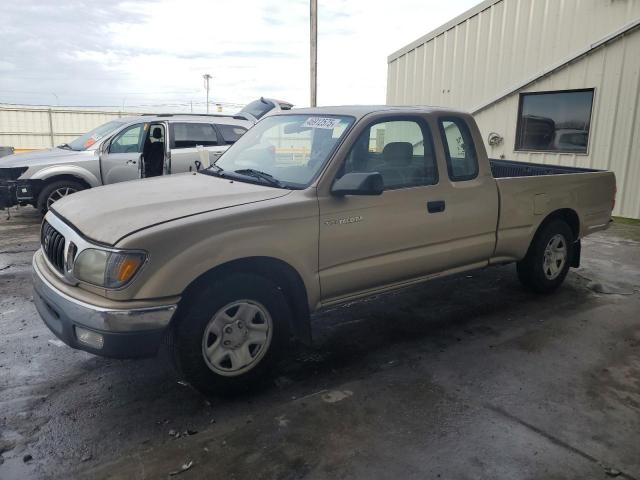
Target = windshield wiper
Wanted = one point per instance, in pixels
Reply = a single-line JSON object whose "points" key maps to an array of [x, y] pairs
{"points": [[261, 175], [214, 170], [66, 146]]}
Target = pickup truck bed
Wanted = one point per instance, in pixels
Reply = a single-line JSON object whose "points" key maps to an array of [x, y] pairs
{"points": [[527, 191]]}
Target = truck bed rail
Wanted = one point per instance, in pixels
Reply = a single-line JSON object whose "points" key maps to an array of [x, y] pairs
{"points": [[510, 168]]}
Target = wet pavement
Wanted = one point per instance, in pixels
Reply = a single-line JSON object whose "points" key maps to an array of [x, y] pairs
{"points": [[465, 377]]}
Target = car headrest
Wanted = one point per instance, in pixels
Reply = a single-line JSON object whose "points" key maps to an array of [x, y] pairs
{"points": [[157, 133], [397, 153]]}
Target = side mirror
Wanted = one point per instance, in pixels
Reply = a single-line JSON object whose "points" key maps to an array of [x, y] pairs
{"points": [[370, 183]]}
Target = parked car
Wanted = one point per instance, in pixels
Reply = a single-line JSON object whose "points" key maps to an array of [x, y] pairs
{"points": [[123, 149], [222, 265]]}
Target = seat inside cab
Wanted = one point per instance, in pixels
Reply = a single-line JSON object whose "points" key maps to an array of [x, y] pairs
{"points": [[154, 152]]}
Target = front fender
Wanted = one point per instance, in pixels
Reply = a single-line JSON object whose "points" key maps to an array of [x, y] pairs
{"points": [[57, 170]]}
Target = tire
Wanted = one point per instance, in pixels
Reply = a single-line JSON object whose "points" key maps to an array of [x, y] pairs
{"points": [[56, 189], [231, 311], [545, 266]]}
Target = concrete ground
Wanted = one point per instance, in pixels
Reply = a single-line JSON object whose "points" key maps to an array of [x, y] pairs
{"points": [[465, 377]]}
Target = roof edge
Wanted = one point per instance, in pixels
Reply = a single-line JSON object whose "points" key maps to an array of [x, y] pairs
{"points": [[484, 5]]}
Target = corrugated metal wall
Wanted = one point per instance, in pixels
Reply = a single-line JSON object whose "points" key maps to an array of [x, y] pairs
{"points": [[26, 128], [503, 44]]}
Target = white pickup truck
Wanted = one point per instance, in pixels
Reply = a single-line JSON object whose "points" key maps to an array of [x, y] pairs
{"points": [[310, 208]]}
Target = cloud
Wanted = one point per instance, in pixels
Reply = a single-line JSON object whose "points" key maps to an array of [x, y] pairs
{"points": [[89, 52]]}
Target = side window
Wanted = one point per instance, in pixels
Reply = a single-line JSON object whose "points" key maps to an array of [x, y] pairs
{"points": [[460, 152], [189, 135], [129, 140], [231, 133], [400, 150]]}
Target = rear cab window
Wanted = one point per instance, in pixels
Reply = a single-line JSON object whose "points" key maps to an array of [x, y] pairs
{"points": [[459, 149], [190, 135]]}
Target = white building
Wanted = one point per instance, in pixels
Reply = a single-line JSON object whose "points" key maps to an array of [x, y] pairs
{"points": [[549, 81]]}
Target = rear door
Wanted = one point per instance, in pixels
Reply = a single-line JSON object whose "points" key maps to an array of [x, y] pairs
{"points": [[120, 160], [188, 140]]}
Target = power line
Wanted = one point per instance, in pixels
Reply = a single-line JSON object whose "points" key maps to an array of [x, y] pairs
{"points": [[169, 104], [185, 106]]}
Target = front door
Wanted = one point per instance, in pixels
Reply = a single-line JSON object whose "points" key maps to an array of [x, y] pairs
{"points": [[190, 142], [370, 241], [121, 159]]}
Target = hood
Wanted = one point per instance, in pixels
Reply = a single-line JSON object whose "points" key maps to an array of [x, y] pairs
{"points": [[50, 156], [107, 214]]}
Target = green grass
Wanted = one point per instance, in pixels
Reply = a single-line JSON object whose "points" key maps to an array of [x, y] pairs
{"points": [[626, 221]]}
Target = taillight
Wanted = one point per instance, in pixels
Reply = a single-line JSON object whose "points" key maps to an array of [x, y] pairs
{"points": [[615, 192]]}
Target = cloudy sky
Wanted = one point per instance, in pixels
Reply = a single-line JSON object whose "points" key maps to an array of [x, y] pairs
{"points": [[154, 53]]}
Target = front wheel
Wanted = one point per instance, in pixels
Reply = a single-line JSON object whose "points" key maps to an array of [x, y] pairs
{"points": [[547, 262], [228, 335], [54, 191]]}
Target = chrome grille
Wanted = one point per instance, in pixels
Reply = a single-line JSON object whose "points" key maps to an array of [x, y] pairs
{"points": [[53, 246]]}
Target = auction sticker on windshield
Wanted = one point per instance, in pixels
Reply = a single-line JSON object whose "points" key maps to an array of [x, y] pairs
{"points": [[322, 122]]}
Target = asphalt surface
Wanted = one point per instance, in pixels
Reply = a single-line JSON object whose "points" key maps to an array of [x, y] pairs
{"points": [[465, 377]]}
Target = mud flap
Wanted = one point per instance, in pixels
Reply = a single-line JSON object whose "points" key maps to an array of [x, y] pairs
{"points": [[576, 250]]}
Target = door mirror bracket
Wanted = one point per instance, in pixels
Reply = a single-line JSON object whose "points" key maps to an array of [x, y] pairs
{"points": [[369, 183]]}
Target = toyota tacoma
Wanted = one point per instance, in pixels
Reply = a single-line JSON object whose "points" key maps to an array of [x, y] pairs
{"points": [[309, 209]]}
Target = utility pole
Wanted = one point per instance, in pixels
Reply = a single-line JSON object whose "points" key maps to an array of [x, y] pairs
{"points": [[207, 77], [314, 52]]}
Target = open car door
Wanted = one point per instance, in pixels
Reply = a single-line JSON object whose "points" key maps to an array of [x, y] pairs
{"points": [[121, 156]]}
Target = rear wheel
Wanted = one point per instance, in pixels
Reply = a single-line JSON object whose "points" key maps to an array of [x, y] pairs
{"points": [[548, 259], [54, 191], [228, 335]]}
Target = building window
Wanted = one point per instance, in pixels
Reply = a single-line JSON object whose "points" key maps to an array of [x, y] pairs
{"points": [[554, 121]]}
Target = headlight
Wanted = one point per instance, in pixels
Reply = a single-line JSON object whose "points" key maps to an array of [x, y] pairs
{"points": [[107, 269]]}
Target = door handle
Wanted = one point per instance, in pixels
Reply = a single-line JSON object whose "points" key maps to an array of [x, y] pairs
{"points": [[435, 206], [131, 162]]}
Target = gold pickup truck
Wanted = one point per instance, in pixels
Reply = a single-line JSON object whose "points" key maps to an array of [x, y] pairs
{"points": [[310, 208]]}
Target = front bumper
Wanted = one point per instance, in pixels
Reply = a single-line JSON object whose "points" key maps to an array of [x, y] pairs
{"points": [[126, 333]]}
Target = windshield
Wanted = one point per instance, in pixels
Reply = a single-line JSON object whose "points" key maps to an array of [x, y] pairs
{"points": [[289, 149], [88, 139]]}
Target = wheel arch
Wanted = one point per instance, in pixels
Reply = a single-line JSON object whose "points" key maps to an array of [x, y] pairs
{"points": [[571, 218], [70, 172], [65, 176], [286, 278], [569, 215]]}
